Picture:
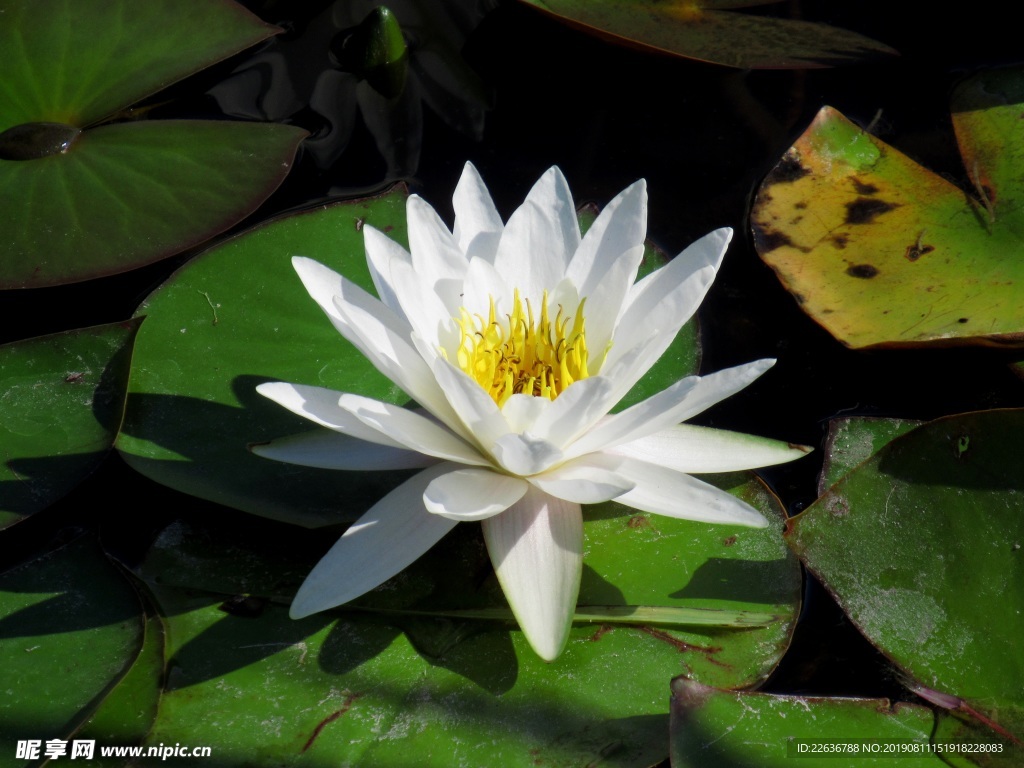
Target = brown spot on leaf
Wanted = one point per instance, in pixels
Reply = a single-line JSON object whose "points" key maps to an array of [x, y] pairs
{"points": [[840, 240], [788, 170], [800, 206], [917, 249], [864, 210], [963, 320], [767, 240], [603, 630], [837, 506], [728, 541], [638, 521], [862, 188], [863, 271]]}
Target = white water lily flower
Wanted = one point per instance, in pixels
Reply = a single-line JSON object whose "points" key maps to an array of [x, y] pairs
{"points": [[516, 341]]}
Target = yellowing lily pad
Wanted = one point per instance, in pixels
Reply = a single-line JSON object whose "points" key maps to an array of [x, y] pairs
{"points": [[921, 545], [704, 30], [881, 251], [82, 202]]}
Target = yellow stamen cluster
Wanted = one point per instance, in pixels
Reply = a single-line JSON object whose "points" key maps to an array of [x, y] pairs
{"points": [[521, 354]]}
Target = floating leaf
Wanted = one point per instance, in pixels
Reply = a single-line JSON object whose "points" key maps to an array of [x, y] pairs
{"points": [[851, 441], [708, 580], [233, 318], [128, 711], [760, 730], [381, 683], [883, 252], [70, 627], [921, 546], [699, 29], [237, 316], [93, 202], [311, 692], [78, 61], [62, 398]]}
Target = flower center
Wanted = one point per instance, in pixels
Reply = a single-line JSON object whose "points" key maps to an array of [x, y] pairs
{"points": [[521, 354]]}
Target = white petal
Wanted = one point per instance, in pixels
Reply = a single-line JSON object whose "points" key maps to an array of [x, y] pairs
{"points": [[574, 411], [683, 400], [323, 284], [477, 223], [523, 411], [436, 257], [536, 547], [622, 374], [539, 238], [605, 303], [689, 448], [708, 251], [525, 454], [583, 482], [381, 250], [385, 341], [427, 312], [483, 283], [411, 430], [663, 301], [377, 332], [320, 406], [473, 494], [475, 407], [325, 449], [621, 226], [390, 536], [674, 494]]}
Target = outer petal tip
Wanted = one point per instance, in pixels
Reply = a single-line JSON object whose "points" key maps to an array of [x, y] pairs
{"points": [[536, 547]]}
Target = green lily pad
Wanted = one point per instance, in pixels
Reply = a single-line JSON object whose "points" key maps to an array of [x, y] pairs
{"points": [[759, 730], [703, 582], [397, 675], [237, 316], [62, 398], [921, 546], [128, 711], [108, 199], [703, 30], [357, 690], [233, 318], [881, 251], [853, 440], [78, 61], [70, 628], [640, 559]]}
